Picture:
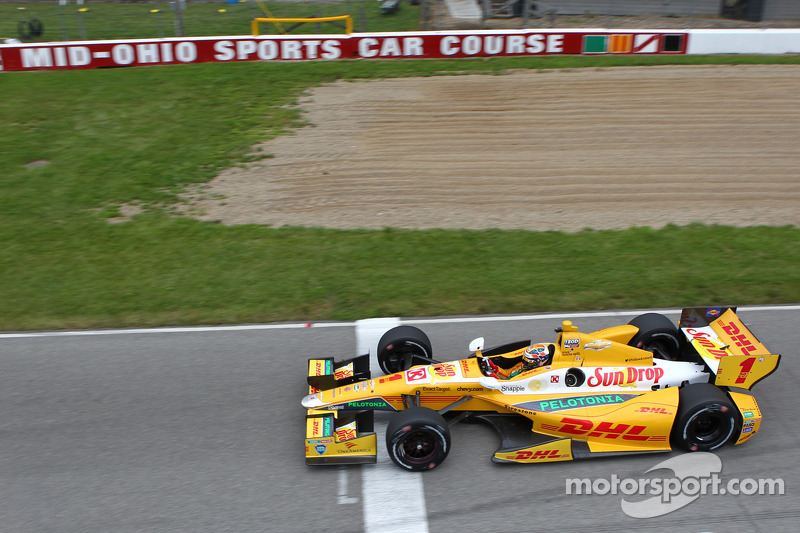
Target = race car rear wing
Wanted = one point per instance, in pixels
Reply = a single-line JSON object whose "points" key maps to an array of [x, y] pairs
{"points": [[338, 437], [728, 347]]}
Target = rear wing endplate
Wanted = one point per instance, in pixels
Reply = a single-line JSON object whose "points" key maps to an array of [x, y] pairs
{"points": [[728, 347]]}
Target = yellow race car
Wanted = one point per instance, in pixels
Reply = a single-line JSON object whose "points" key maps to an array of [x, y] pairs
{"points": [[646, 386]]}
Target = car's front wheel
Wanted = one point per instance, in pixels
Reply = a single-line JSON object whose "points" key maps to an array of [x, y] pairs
{"points": [[418, 439], [402, 347]]}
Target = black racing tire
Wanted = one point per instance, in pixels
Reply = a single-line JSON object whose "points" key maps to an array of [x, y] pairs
{"points": [[706, 418], [659, 335], [418, 439], [402, 347]]}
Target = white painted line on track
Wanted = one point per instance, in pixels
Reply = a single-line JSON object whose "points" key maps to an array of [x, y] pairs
{"points": [[303, 325], [368, 333], [344, 499], [584, 314], [165, 330], [394, 500]]}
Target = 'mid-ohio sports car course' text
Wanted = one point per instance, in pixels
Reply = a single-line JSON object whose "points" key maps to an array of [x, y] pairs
{"points": [[646, 386]]}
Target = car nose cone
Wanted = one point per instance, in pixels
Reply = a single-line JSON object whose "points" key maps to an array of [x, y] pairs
{"points": [[311, 401]]}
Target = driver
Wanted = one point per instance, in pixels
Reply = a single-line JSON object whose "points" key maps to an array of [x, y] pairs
{"points": [[535, 355]]}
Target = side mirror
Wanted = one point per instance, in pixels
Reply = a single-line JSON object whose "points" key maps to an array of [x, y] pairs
{"points": [[476, 345]]}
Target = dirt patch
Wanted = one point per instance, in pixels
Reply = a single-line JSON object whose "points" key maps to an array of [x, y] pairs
{"points": [[126, 213], [547, 150]]}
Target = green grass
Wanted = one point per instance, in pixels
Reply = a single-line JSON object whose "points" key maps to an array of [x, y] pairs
{"points": [[139, 134], [114, 20]]}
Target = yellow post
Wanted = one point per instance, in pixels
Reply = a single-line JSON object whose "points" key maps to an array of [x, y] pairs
{"points": [[347, 18], [266, 10]]}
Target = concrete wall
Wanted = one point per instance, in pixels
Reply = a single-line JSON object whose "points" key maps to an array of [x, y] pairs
{"points": [[634, 7], [778, 41], [781, 9]]}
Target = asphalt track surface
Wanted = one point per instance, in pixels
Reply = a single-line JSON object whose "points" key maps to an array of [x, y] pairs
{"points": [[200, 430]]}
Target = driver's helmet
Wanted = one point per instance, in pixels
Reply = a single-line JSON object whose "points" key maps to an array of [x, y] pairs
{"points": [[535, 355]]}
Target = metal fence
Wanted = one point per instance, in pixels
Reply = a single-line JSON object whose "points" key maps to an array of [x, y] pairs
{"points": [[71, 20], [497, 14]]}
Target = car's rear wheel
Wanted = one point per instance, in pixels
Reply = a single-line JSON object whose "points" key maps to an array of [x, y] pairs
{"points": [[658, 334], [418, 439], [706, 418], [402, 347]]}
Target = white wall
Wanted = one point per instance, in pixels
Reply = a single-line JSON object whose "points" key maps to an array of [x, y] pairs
{"points": [[744, 41]]}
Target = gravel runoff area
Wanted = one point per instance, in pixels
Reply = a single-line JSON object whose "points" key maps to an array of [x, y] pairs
{"points": [[564, 150]]}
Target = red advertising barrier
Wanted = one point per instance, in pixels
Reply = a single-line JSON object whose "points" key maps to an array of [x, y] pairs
{"points": [[142, 52]]}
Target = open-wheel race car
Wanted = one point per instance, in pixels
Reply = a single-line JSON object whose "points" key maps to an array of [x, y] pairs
{"points": [[646, 386]]}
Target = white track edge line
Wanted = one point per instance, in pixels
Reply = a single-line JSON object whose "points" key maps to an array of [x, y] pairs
{"points": [[302, 325]]}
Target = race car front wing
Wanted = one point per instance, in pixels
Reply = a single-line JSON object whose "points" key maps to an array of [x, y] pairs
{"points": [[339, 437]]}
